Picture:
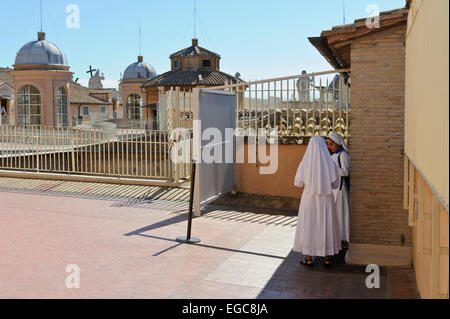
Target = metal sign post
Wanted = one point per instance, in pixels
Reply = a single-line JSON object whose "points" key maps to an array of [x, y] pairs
{"points": [[188, 239]]}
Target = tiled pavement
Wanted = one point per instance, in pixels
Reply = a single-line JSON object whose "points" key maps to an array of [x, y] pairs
{"points": [[125, 194], [125, 247]]}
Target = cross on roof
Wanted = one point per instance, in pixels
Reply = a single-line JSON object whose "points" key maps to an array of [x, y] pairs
{"points": [[91, 70]]}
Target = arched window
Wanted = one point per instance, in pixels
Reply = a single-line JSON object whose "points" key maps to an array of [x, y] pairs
{"points": [[61, 107], [134, 107], [29, 106]]}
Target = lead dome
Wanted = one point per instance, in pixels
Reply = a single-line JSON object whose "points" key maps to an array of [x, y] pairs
{"points": [[41, 52], [139, 70]]}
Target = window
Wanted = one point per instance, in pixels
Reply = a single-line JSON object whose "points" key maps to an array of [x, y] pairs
{"points": [[85, 110], [3, 108], [176, 64], [206, 63], [134, 107], [61, 107], [29, 106], [103, 109]]}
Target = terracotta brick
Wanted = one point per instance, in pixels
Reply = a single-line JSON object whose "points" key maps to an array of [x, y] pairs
{"points": [[377, 115]]}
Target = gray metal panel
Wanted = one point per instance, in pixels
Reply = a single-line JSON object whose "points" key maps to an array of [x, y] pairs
{"points": [[217, 109]]}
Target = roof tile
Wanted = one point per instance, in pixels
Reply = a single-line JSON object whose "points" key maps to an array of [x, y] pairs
{"points": [[81, 95], [194, 77]]}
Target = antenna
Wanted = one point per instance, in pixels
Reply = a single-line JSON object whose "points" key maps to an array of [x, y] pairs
{"points": [[41, 14], [195, 20], [140, 39], [343, 4]]}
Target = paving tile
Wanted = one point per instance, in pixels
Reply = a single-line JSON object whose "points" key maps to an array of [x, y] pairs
{"points": [[127, 249]]}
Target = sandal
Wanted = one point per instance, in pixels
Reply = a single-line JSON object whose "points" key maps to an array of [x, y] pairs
{"points": [[327, 262], [307, 262]]}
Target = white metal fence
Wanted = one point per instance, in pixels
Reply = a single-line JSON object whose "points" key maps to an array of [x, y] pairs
{"points": [[297, 106], [176, 110], [128, 153]]}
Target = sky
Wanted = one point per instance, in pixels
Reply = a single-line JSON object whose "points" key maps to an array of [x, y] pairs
{"points": [[260, 39]]}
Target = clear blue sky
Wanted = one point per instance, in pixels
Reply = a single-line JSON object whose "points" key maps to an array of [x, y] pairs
{"points": [[257, 38]]}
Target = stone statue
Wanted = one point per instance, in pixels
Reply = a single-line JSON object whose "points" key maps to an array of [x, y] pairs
{"points": [[303, 87], [95, 82]]}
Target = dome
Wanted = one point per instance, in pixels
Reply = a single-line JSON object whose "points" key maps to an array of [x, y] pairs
{"points": [[139, 70], [41, 52]]}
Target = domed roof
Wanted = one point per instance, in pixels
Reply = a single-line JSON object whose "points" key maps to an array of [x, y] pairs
{"points": [[41, 52], [139, 70]]}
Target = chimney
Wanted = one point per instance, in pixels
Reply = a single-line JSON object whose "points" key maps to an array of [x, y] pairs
{"points": [[140, 58], [194, 42], [41, 36]]}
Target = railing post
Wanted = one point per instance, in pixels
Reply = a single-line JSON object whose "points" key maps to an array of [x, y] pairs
{"points": [[169, 132], [37, 153], [73, 154]]}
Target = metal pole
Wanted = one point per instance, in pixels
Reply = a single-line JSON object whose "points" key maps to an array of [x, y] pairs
{"points": [[188, 239]]}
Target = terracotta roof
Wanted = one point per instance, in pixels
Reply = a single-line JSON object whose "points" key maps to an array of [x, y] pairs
{"points": [[81, 95], [194, 77], [103, 91], [194, 50], [321, 45], [334, 44], [5, 76]]}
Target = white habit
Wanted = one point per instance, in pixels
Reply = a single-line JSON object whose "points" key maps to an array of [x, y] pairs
{"points": [[317, 228], [341, 194]]}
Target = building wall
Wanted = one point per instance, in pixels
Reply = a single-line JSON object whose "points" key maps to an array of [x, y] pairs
{"points": [[249, 180], [47, 82], [429, 221], [103, 96], [427, 94], [132, 88], [377, 128], [195, 62], [426, 143], [95, 113]]}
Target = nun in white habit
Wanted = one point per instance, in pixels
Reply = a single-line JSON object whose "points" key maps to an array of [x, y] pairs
{"points": [[341, 156], [317, 228]]}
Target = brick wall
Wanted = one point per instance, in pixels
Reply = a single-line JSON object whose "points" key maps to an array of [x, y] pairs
{"points": [[377, 129]]}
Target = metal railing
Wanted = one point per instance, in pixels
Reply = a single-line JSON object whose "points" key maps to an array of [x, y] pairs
{"points": [[175, 111], [148, 124], [176, 108], [296, 106], [138, 153]]}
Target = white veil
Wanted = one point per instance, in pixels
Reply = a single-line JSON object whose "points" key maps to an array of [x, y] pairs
{"points": [[317, 169], [339, 140]]}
